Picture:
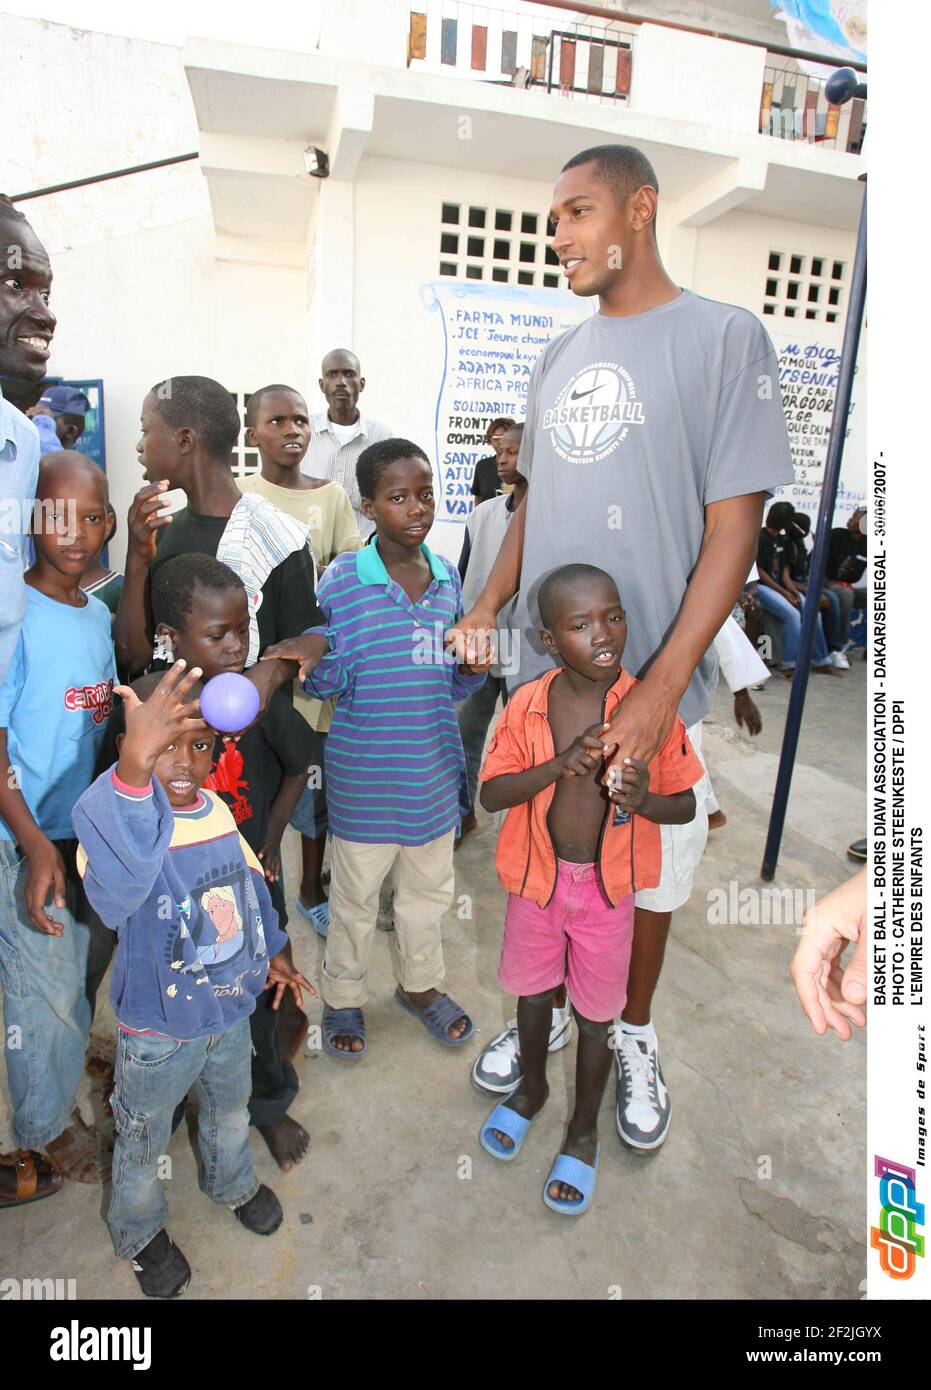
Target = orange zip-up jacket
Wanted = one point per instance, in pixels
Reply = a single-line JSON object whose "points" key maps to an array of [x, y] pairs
{"points": [[629, 852]]}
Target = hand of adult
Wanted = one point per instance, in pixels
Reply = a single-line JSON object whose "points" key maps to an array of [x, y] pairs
{"points": [[830, 995], [746, 712], [474, 638], [640, 724]]}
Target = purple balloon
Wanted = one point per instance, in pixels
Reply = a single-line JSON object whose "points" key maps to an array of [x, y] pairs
{"points": [[229, 702]]}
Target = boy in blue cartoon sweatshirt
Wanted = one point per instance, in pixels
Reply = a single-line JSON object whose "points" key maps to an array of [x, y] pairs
{"points": [[198, 940]]}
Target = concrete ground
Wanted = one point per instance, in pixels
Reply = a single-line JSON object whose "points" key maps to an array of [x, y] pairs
{"points": [[756, 1194]]}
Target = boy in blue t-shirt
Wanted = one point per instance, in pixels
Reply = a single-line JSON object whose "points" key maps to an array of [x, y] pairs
{"points": [[197, 942], [53, 708]]}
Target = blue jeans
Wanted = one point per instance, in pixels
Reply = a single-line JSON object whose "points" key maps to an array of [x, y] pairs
{"points": [[153, 1074], [310, 813], [475, 714], [791, 618], [48, 1003]]}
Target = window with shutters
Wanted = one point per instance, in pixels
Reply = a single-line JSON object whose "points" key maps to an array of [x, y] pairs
{"points": [[503, 245], [806, 287]]}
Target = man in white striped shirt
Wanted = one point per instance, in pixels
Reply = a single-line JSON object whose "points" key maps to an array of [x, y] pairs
{"points": [[341, 432]]}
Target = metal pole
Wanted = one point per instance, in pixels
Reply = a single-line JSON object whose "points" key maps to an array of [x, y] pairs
{"points": [[101, 178], [820, 553]]}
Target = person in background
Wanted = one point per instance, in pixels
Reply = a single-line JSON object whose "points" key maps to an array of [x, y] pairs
{"points": [[341, 432], [799, 534], [27, 326], [68, 407], [98, 579], [778, 594], [484, 532], [741, 668], [278, 425], [190, 425], [486, 481], [846, 567]]}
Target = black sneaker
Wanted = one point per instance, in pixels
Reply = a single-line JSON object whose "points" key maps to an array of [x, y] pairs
{"points": [[262, 1213], [161, 1269]]}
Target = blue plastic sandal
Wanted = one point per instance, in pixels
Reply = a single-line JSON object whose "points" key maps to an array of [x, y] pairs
{"points": [[343, 1023], [438, 1017], [318, 917], [577, 1174], [508, 1122]]}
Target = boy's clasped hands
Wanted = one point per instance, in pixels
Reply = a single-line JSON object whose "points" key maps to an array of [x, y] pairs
{"points": [[627, 784]]}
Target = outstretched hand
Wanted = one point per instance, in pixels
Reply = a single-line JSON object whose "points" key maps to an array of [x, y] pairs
{"points": [[830, 994], [154, 725]]}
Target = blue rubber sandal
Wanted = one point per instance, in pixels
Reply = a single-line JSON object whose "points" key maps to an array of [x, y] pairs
{"points": [[577, 1174], [343, 1023], [318, 917], [508, 1122], [438, 1017]]}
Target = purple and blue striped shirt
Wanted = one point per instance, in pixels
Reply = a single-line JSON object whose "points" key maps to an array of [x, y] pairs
{"points": [[395, 766]]}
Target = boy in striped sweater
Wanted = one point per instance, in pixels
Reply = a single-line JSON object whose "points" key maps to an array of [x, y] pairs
{"points": [[395, 766]]}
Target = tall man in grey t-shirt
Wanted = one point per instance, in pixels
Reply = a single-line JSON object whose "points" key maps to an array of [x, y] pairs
{"points": [[654, 431]]}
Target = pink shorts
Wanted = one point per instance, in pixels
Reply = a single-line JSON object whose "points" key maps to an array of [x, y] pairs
{"points": [[579, 940]]}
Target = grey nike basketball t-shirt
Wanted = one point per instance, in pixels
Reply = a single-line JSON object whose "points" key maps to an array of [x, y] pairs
{"points": [[633, 426]]}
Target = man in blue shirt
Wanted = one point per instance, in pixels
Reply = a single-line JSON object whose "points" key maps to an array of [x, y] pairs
{"points": [[26, 328]]}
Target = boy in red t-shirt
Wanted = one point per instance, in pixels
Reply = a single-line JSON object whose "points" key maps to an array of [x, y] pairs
{"points": [[571, 852]]}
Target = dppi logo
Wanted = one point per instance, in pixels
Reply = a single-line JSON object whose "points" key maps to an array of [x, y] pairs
{"points": [[896, 1237]]}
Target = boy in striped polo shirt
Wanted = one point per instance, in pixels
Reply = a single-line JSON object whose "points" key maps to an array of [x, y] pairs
{"points": [[395, 766]]}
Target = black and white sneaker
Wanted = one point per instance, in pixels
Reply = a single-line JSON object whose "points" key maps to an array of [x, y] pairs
{"points": [[497, 1069], [161, 1269], [643, 1104]]}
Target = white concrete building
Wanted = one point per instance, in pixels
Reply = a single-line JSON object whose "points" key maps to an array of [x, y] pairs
{"points": [[241, 266]]}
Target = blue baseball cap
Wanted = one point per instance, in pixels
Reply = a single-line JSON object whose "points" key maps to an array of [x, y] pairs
{"points": [[65, 400]]}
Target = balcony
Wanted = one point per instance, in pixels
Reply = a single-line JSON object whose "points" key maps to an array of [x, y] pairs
{"points": [[593, 60]]}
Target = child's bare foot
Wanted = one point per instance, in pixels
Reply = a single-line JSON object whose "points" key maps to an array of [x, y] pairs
{"points": [[716, 820], [527, 1103], [77, 1153], [293, 1025], [427, 997], [826, 671], [584, 1147], [288, 1141]]}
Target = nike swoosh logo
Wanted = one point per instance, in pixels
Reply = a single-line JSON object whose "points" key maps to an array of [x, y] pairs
{"points": [[577, 395]]}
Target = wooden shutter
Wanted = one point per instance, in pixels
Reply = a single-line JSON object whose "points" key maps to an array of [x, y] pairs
{"points": [[622, 80], [417, 38], [833, 121], [538, 59], [596, 66], [766, 106], [810, 118], [855, 133], [567, 64], [479, 47], [509, 51], [449, 42]]}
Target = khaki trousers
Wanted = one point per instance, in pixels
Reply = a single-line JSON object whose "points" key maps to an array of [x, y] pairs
{"points": [[422, 879]]}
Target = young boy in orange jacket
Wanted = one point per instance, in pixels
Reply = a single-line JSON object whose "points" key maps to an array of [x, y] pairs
{"points": [[571, 852]]}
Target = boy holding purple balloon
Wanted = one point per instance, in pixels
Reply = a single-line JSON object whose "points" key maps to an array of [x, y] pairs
{"points": [[198, 943]]}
